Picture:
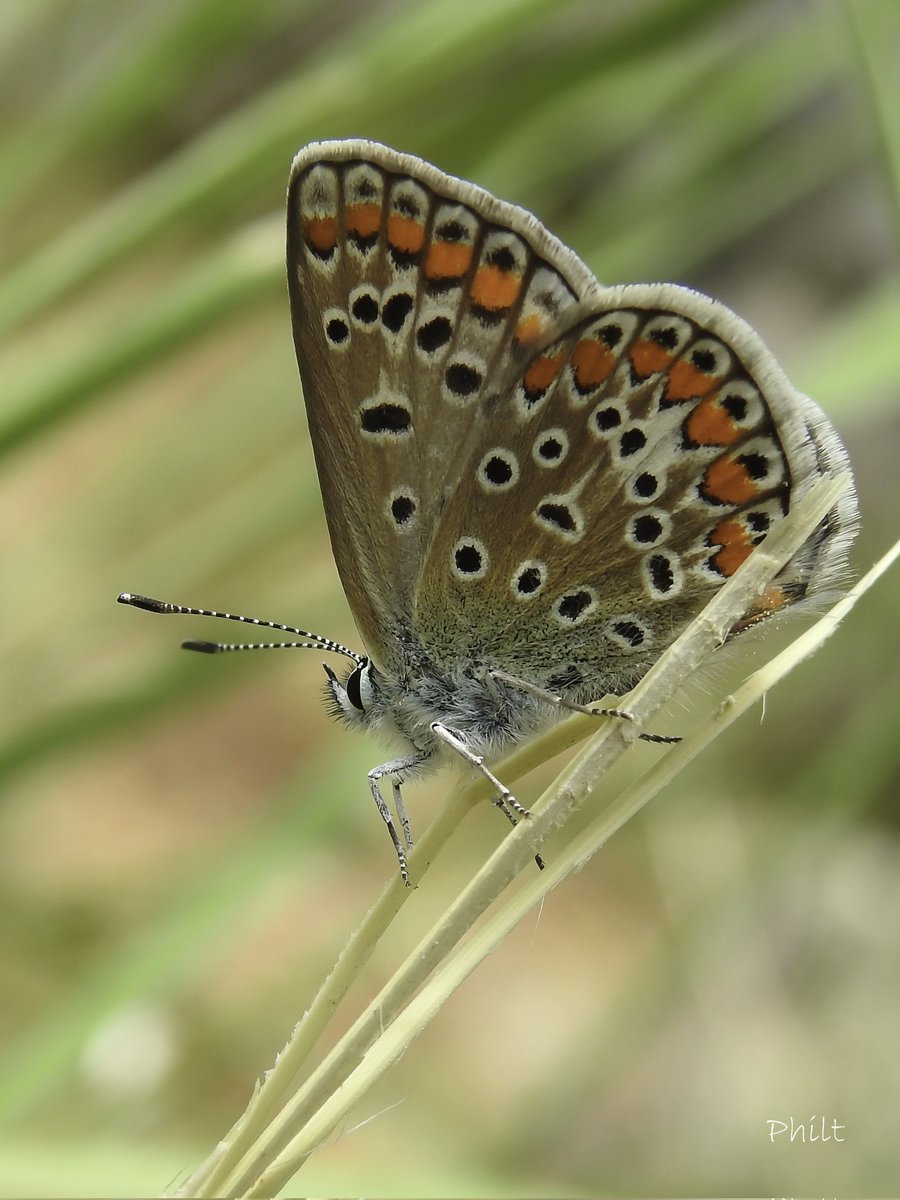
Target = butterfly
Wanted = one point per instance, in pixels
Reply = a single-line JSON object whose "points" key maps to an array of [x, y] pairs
{"points": [[532, 482]]}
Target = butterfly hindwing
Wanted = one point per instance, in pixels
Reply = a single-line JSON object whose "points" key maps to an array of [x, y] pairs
{"points": [[625, 474]]}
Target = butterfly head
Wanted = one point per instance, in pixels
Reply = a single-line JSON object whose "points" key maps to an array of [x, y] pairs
{"points": [[352, 698]]}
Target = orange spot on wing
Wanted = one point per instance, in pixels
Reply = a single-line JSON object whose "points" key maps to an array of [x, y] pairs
{"points": [[710, 425], [543, 371], [447, 260], [493, 288], [363, 219], [686, 382], [405, 234], [772, 599], [729, 482], [592, 362], [321, 232], [648, 357], [732, 536], [529, 329]]}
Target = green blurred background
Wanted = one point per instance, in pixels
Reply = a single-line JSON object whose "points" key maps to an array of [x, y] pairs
{"points": [[187, 842]]}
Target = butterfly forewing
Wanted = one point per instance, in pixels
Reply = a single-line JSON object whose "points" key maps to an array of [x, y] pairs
{"points": [[415, 298]]}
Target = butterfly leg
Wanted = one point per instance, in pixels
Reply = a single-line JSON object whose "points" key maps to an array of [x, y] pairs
{"points": [[394, 770], [589, 710], [504, 800], [400, 809]]}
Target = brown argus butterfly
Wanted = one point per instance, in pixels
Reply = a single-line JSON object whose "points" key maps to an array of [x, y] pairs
{"points": [[532, 482]]}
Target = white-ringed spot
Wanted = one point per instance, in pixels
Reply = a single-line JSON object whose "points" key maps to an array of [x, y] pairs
{"points": [[364, 307], [402, 508], [337, 328], [668, 331], [561, 516], [628, 633], [647, 529], [575, 606], [469, 559], [385, 417], [463, 377], [550, 447], [645, 486], [604, 420], [434, 333], [396, 305], [663, 576], [632, 440], [528, 579], [498, 470]]}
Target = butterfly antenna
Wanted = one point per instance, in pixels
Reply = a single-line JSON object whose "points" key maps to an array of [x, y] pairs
{"points": [[317, 642]]}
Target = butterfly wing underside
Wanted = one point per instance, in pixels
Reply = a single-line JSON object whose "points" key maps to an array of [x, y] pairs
{"points": [[413, 297], [628, 471], [521, 468]]}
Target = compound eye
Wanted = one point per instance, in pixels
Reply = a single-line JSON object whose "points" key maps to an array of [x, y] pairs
{"points": [[353, 686]]}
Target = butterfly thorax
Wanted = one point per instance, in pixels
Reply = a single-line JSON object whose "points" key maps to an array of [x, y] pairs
{"points": [[488, 715]]}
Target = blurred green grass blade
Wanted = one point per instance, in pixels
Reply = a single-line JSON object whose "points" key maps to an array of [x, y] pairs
{"points": [[160, 58], [104, 90], [612, 44], [159, 958], [734, 191], [243, 270], [875, 34], [853, 364], [706, 213], [258, 139]]}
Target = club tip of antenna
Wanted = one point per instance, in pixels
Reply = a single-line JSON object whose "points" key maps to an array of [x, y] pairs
{"points": [[201, 647], [142, 602]]}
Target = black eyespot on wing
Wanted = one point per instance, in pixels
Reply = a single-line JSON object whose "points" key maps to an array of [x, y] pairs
{"points": [[662, 576], [386, 418], [704, 360], [646, 528], [395, 310], [736, 406], [468, 559], [550, 449], [631, 441], [757, 465], [573, 605], [667, 337], [403, 509], [433, 334], [498, 471], [645, 485], [607, 418], [337, 331], [450, 231], [365, 308], [462, 379], [629, 632], [408, 207], [529, 581], [759, 522], [559, 515], [502, 258]]}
